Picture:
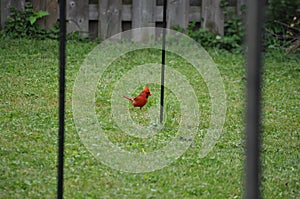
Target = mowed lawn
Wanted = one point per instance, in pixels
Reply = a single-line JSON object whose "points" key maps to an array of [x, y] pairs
{"points": [[29, 122]]}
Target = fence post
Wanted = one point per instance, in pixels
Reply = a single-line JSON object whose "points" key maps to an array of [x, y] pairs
{"points": [[5, 6], [78, 16], [143, 15], [109, 18], [178, 13], [212, 16]]}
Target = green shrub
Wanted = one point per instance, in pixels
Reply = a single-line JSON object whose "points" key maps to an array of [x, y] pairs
{"points": [[232, 39], [282, 27], [22, 23], [234, 31], [282, 22]]}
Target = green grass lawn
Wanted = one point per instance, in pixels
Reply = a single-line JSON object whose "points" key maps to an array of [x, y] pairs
{"points": [[28, 123]]}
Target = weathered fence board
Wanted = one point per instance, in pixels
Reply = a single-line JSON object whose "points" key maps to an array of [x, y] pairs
{"points": [[104, 18], [109, 18], [51, 6], [126, 12], [143, 16], [194, 13], [178, 13], [213, 16], [78, 16]]}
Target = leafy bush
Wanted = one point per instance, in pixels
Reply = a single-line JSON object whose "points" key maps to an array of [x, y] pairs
{"points": [[282, 22], [282, 27], [234, 31], [282, 11], [22, 23]]}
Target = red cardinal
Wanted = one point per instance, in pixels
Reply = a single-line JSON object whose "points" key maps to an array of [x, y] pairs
{"points": [[141, 99]]}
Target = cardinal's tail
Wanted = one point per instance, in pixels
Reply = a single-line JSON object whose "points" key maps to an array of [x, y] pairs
{"points": [[129, 98]]}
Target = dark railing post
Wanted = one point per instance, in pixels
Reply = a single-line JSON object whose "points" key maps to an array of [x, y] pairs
{"points": [[163, 57], [254, 64], [62, 67]]}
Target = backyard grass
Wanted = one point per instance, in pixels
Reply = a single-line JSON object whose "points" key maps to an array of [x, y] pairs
{"points": [[28, 123]]}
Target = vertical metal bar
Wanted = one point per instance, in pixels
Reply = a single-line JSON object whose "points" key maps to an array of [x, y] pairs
{"points": [[163, 56], [254, 63], [62, 67]]}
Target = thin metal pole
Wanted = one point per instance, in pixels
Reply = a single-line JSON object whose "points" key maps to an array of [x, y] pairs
{"points": [[163, 57], [254, 64], [62, 67]]}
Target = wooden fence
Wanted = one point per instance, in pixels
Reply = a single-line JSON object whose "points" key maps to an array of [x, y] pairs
{"points": [[104, 18]]}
